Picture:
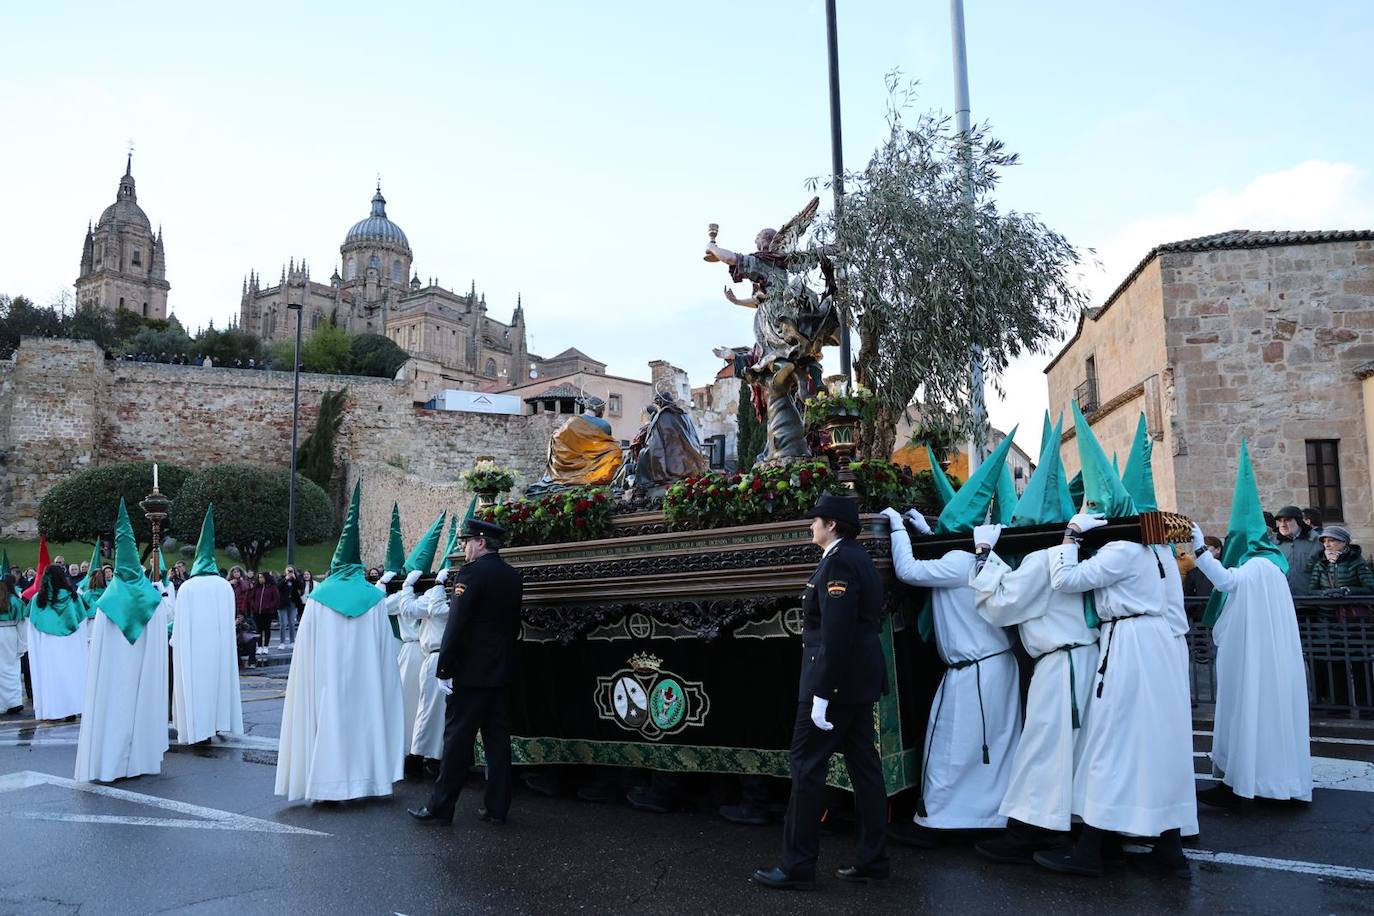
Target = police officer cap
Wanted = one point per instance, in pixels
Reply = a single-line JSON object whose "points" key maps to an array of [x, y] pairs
{"points": [[839, 508], [476, 528]]}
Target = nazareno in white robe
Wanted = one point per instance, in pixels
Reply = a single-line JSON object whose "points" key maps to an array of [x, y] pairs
{"points": [[1053, 630], [124, 717], [408, 659], [341, 722], [1261, 745], [11, 682], [431, 610], [1135, 776], [57, 665], [977, 705], [205, 673]]}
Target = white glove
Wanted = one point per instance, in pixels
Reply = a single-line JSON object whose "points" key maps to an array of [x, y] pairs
{"points": [[386, 577], [441, 577], [894, 521], [411, 578], [1085, 522], [446, 685], [818, 708], [918, 520], [986, 536], [1199, 541]]}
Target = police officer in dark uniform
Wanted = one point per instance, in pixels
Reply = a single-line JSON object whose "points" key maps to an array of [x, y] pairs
{"points": [[476, 668], [843, 674]]}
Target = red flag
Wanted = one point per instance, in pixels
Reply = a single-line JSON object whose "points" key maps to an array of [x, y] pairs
{"points": [[43, 562]]}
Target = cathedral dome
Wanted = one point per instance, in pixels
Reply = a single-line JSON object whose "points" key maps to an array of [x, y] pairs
{"points": [[377, 228], [125, 209]]}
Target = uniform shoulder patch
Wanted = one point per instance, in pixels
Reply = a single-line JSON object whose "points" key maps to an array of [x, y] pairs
{"points": [[836, 588], [459, 588]]}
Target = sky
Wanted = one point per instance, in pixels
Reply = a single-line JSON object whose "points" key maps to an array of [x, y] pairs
{"points": [[573, 154]]}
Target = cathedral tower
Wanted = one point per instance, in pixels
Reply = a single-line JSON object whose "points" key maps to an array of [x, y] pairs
{"points": [[123, 264]]}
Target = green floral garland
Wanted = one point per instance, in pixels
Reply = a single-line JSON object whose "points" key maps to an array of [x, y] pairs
{"points": [[582, 514]]}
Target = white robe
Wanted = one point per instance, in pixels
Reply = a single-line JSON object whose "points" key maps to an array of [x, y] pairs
{"points": [[1136, 773], [976, 705], [11, 682], [431, 611], [341, 722], [124, 717], [408, 659], [57, 665], [1261, 745], [1040, 791], [205, 671]]}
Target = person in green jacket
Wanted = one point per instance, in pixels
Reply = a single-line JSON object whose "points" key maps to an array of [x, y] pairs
{"points": [[1341, 568]]}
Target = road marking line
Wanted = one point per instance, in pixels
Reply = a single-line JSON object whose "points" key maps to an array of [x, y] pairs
{"points": [[1302, 868], [212, 819], [1315, 739], [1330, 773]]}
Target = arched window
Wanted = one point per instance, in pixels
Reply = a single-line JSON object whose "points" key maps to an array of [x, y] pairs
{"points": [[145, 310], [315, 321], [491, 368], [374, 262], [121, 302], [137, 258], [396, 272], [351, 272]]}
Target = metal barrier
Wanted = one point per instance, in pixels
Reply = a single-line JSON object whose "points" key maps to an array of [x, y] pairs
{"points": [[1337, 636]]}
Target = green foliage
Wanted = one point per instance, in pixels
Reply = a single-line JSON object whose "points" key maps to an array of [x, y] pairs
{"points": [[84, 506], [376, 355], [580, 514], [719, 500], [251, 509], [488, 475], [169, 341], [328, 350], [315, 457], [858, 403], [229, 348], [752, 437], [880, 484]]}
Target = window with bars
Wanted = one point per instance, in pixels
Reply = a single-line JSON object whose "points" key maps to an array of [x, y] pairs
{"points": [[1324, 478]]}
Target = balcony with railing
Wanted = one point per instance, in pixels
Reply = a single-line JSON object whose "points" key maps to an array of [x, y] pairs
{"points": [[1086, 396]]}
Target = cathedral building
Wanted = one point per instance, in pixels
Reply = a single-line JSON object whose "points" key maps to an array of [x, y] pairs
{"points": [[379, 293], [123, 265]]}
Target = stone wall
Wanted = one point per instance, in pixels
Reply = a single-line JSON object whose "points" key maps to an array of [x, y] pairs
{"points": [[64, 407]]}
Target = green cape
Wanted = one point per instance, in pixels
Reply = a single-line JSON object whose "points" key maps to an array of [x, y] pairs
{"points": [[205, 563], [1247, 536], [346, 590], [61, 617], [422, 554], [395, 549], [1139, 476], [130, 600]]}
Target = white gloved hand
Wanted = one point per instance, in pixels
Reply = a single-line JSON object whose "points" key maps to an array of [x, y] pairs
{"points": [[918, 520], [1085, 522], [1199, 541], [386, 577], [411, 578], [441, 576], [894, 521], [818, 708], [986, 536], [446, 685]]}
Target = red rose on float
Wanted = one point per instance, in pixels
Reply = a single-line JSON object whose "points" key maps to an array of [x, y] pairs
{"points": [[757, 484]]}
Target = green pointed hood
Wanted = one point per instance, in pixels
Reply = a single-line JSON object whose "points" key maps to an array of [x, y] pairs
{"points": [[944, 490], [130, 600], [205, 563], [1246, 536], [1004, 502], [395, 549], [92, 565], [422, 554], [1139, 476], [162, 565], [450, 543], [969, 507], [1103, 492], [346, 590], [1046, 499], [1076, 491]]}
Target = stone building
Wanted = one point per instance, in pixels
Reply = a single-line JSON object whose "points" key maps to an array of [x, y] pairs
{"points": [[625, 398], [123, 265], [1266, 336], [450, 334]]}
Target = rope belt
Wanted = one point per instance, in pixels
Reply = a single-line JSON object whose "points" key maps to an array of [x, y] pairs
{"points": [[1107, 652], [1073, 689], [976, 665]]}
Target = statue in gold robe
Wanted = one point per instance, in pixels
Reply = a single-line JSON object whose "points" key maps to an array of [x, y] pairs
{"points": [[582, 453]]}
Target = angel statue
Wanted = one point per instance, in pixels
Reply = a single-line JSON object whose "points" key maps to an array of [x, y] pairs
{"points": [[792, 322]]}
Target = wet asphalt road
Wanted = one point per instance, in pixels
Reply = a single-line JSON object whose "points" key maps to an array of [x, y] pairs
{"points": [[68, 851]]}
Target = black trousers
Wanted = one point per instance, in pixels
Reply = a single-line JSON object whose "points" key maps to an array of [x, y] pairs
{"points": [[470, 710], [853, 737]]}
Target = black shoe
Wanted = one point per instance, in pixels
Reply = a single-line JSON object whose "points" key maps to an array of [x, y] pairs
{"points": [[1171, 865], [487, 818], [426, 816], [14, 710], [778, 879], [1006, 850], [913, 835], [744, 814], [429, 767], [545, 784], [856, 875], [1065, 862], [598, 794], [642, 798], [413, 766], [1219, 796]]}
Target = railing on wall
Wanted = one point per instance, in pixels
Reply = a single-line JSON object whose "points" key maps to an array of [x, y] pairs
{"points": [[1337, 636], [1086, 396]]}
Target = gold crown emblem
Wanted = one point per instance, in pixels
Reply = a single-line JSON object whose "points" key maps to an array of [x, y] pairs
{"points": [[645, 662]]}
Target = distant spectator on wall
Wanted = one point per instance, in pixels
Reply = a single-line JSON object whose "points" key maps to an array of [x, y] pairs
{"points": [[1313, 518], [1300, 548]]}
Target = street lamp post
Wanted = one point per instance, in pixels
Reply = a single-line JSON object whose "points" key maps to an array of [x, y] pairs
{"points": [[962, 124], [837, 163], [298, 308]]}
